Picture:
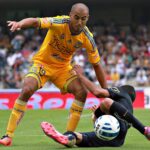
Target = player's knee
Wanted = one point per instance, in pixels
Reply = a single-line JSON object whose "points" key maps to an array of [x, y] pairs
{"points": [[29, 87], [27, 90], [81, 94], [107, 102]]}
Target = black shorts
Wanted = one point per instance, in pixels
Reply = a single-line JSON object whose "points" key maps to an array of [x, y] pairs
{"points": [[91, 140]]}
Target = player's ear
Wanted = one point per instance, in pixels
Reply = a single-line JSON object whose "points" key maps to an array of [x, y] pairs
{"points": [[87, 18]]}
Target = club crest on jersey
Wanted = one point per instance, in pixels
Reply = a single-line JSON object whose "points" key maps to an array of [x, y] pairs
{"points": [[62, 36], [78, 44], [115, 89]]}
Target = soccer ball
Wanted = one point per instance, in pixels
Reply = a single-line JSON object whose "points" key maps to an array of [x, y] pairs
{"points": [[106, 127]]}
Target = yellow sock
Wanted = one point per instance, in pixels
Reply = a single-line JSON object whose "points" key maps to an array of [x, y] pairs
{"points": [[74, 116], [15, 117]]}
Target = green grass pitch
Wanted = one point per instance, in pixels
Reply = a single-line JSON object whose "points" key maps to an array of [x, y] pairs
{"points": [[29, 135]]}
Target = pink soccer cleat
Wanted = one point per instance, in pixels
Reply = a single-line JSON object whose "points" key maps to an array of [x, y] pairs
{"points": [[6, 140], [147, 132], [68, 140], [51, 132]]}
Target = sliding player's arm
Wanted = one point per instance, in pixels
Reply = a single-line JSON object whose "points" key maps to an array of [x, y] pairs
{"points": [[25, 23]]}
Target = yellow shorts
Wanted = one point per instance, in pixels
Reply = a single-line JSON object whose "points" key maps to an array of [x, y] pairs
{"points": [[61, 77]]}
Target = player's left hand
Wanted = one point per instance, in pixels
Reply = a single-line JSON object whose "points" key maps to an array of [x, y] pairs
{"points": [[78, 69]]}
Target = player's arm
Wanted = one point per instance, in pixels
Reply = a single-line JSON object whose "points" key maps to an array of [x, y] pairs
{"points": [[25, 23], [94, 58], [95, 90], [100, 75]]}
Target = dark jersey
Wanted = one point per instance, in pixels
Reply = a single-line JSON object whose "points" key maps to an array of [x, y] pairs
{"points": [[119, 95]]}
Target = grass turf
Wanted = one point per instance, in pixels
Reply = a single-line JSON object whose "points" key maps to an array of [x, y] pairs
{"points": [[29, 135]]}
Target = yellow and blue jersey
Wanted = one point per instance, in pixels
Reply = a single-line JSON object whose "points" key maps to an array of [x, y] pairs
{"points": [[59, 44]]}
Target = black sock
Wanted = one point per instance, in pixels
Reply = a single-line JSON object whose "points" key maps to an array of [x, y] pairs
{"points": [[72, 133], [98, 112], [72, 138], [123, 113]]}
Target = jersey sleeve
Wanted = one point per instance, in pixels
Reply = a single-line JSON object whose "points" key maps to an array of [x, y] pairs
{"points": [[49, 22], [45, 22], [114, 93], [91, 48]]}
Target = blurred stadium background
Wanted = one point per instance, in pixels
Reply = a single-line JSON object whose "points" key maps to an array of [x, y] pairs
{"points": [[121, 30]]}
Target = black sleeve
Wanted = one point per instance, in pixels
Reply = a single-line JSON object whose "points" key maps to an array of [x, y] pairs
{"points": [[114, 93], [98, 112]]}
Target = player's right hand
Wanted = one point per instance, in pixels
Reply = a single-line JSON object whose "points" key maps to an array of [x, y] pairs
{"points": [[93, 118], [93, 109], [14, 26], [78, 69]]}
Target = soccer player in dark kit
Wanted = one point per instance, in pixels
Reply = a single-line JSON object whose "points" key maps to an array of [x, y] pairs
{"points": [[117, 102]]}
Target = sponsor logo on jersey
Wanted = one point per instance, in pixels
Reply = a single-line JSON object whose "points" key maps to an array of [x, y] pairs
{"points": [[58, 45], [115, 89]]}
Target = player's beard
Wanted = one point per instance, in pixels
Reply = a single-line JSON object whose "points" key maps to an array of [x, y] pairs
{"points": [[78, 29], [75, 29]]}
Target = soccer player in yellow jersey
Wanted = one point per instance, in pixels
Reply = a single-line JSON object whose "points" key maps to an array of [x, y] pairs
{"points": [[52, 63]]}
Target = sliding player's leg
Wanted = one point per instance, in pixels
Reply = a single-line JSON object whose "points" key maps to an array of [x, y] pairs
{"points": [[123, 109], [68, 140]]}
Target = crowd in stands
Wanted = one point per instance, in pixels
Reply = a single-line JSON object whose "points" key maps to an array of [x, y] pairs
{"points": [[124, 51]]}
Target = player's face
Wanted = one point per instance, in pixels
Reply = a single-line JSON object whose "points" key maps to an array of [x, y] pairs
{"points": [[78, 20]]}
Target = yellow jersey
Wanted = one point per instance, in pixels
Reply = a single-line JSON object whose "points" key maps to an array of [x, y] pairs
{"points": [[59, 44]]}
